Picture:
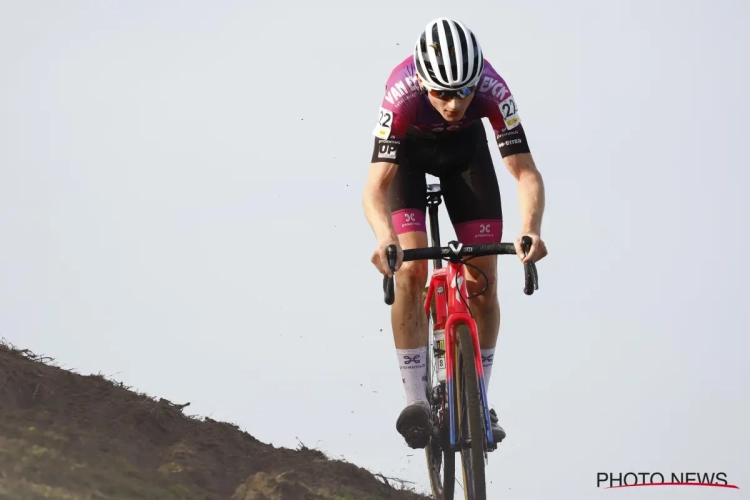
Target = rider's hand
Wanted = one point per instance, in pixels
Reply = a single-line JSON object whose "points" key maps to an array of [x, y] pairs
{"points": [[380, 257], [538, 249]]}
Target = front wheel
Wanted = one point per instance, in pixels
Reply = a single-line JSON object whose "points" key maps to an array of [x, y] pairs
{"points": [[441, 461], [470, 417]]}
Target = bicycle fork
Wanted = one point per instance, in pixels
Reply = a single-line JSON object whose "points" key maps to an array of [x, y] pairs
{"points": [[450, 328]]}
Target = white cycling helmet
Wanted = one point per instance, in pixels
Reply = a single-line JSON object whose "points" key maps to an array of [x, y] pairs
{"points": [[448, 56]]}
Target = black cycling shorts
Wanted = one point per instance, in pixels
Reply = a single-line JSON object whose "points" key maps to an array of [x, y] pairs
{"points": [[462, 162]]}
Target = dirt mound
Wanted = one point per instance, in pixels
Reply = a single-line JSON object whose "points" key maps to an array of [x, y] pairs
{"points": [[74, 437]]}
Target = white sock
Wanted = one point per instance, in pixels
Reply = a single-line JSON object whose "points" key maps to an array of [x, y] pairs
{"points": [[413, 367], [488, 356]]}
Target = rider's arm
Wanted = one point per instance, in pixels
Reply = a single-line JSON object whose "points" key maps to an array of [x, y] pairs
{"points": [[516, 154], [530, 190], [375, 200], [392, 123]]}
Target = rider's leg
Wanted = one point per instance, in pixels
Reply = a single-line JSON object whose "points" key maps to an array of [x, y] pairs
{"points": [[486, 311], [409, 323], [407, 198]]}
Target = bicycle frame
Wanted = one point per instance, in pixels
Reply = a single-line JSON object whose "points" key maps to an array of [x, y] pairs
{"points": [[448, 286]]}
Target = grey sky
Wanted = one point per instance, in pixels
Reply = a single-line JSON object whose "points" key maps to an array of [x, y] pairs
{"points": [[169, 169]]}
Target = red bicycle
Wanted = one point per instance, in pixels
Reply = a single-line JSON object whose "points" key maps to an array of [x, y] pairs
{"points": [[455, 389]]}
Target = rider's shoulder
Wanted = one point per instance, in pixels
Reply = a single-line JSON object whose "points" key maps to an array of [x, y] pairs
{"points": [[405, 68], [491, 85], [402, 87]]}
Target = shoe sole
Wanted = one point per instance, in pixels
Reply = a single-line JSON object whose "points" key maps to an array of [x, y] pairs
{"points": [[415, 428]]}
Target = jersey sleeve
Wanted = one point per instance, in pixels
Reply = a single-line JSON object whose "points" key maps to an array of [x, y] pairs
{"points": [[502, 112], [397, 112]]}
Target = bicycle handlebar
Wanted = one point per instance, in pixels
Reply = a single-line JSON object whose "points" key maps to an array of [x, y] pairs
{"points": [[454, 252]]}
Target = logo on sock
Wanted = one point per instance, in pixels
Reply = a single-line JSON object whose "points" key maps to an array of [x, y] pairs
{"points": [[412, 359], [488, 359]]}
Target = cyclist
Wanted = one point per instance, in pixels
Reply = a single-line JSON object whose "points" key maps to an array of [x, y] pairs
{"points": [[430, 122]]}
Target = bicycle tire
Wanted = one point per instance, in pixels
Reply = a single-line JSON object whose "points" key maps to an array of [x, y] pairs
{"points": [[442, 484], [470, 412]]}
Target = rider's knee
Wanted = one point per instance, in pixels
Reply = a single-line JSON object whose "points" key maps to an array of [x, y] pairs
{"points": [[484, 282], [412, 275]]}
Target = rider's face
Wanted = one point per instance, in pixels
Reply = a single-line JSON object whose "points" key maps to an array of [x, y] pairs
{"points": [[452, 109]]}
